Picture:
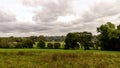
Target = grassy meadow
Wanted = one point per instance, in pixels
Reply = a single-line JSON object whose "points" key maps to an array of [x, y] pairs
{"points": [[58, 58]]}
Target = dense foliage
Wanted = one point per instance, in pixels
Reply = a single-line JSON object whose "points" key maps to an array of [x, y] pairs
{"points": [[73, 39], [41, 44], [57, 45], [50, 45], [109, 36]]}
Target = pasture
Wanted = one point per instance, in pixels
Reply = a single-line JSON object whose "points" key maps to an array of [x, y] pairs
{"points": [[58, 58]]}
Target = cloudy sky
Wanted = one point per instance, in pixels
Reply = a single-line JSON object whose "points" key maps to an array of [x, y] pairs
{"points": [[55, 17]]}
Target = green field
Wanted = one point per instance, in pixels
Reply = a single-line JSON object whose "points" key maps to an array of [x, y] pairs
{"points": [[58, 58]]}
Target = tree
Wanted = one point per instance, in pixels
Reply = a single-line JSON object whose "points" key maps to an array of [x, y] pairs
{"points": [[96, 41], [41, 37], [71, 41], [85, 39], [19, 45], [11, 39], [27, 43], [41, 44], [33, 38], [57, 45], [50, 45], [109, 36], [12, 44], [118, 27], [4, 43]]}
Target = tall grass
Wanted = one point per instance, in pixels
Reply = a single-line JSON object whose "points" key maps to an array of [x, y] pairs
{"points": [[52, 58]]}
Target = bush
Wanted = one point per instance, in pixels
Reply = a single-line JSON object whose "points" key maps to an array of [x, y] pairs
{"points": [[41, 44], [57, 45], [50, 45]]}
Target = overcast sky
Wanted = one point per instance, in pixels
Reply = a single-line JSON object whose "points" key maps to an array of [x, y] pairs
{"points": [[55, 17]]}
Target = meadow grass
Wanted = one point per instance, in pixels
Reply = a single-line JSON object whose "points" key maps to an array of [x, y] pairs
{"points": [[58, 58]]}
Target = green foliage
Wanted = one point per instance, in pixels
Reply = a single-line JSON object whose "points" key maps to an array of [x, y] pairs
{"points": [[41, 44], [4, 43], [109, 36], [50, 45], [41, 37], [85, 39], [25, 43], [19, 45], [33, 38], [72, 40], [57, 45], [28, 43], [118, 27], [12, 44]]}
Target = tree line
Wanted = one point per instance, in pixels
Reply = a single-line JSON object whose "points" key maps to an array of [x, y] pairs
{"points": [[28, 42], [107, 39]]}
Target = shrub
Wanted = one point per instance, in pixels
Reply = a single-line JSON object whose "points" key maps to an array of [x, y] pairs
{"points": [[41, 44], [57, 45], [50, 45]]}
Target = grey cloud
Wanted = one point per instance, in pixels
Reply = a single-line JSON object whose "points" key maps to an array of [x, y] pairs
{"points": [[52, 10], [50, 13], [6, 17], [45, 20], [91, 19], [9, 24], [101, 10], [17, 27], [98, 14]]}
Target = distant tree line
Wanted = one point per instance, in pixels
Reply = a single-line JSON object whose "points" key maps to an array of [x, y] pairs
{"points": [[48, 38], [107, 39], [28, 42]]}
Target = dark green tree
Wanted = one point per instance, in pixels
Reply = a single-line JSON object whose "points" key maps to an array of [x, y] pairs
{"points": [[19, 45], [50, 45], [41, 44], [4, 43], [27, 43], [33, 38], [57, 45], [109, 36], [71, 41], [118, 27], [85, 38], [41, 37]]}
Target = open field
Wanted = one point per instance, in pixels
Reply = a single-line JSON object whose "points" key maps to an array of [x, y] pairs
{"points": [[58, 58]]}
